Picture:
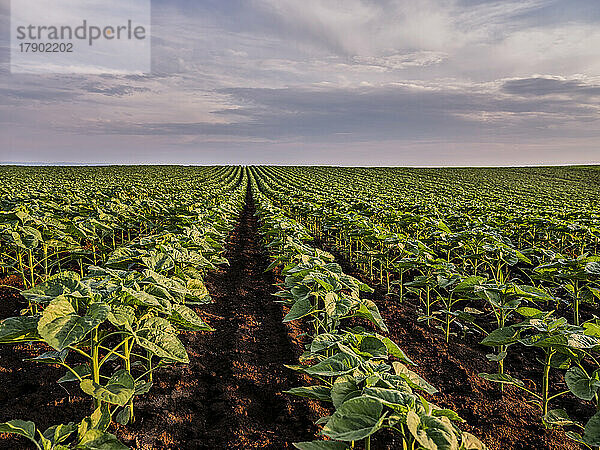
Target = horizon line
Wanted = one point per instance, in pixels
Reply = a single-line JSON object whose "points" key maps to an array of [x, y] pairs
{"points": [[409, 166]]}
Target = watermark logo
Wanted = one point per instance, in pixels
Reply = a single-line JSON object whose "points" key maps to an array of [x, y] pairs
{"points": [[81, 36]]}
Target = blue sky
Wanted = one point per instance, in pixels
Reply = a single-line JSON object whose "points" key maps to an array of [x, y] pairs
{"points": [[387, 82]]}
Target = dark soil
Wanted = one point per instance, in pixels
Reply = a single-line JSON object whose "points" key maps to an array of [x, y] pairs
{"points": [[502, 421], [230, 395]]}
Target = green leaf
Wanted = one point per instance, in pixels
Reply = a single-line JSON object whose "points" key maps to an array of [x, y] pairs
{"points": [[19, 329], [580, 384], [159, 337], [61, 327], [468, 284], [368, 310], [100, 440], [19, 427], [62, 283], [592, 329], [450, 414], [442, 226], [118, 390], [339, 364], [557, 417], [173, 286], [321, 445], [324, 341], [100, 419], [500, 336], [591, 434], [315, 392], [413, 379], [121, 316], [593, 268], [561, 360], [82, 370], [582, 341], [533, 293], [124, 415], [395, 351], [355, 419], [301, 308], [198, 292], [52, 357], [496, 358], [528, 312], [158, 261], [123, 257], [57, 309], [297, 292], [143, 298], [501, 378], [142, 387], [187, 319], [59, 433], [432, 433], [15, 238], [372, 347], [470, 442], [321, 281], [331, 299], [392, 398], [344, 388], [575, 436]]}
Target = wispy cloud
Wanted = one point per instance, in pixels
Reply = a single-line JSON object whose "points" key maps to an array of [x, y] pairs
{"points": [[544, 86]]}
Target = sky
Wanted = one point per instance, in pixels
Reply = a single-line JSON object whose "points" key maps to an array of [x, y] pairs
{"points": [[340, 82]]}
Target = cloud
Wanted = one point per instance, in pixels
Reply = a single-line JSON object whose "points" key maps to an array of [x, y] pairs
{"points": [[543, 86], [396, 111], [402, 61], [25, 94], [115, 90]]}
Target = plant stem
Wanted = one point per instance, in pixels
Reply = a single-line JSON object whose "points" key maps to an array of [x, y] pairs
{"points": [[46, 260], [22, 270], [545, 382], [127, 352], [150, 367], [576, 303], [31, 268], [428, 306], [95, 363], [401, 286]]}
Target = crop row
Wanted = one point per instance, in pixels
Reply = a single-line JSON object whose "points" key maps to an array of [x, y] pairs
{"points": [[363, 374], [485, 264], [110, 276]]}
